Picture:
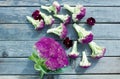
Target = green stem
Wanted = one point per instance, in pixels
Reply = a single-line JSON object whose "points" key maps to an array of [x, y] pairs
{"points": [[43, 15], [84, 57], [74, 49], [46, 8], [71, 9], [61, 17], [31, 20]]}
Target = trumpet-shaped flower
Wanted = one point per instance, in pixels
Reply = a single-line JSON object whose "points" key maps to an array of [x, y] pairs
{"points": [[74, 53], [84, 36], [64, 18], [36, 23], [55, 7], [84, 62], [60, 30], [78, 12], [97, 51], [49, 20]]}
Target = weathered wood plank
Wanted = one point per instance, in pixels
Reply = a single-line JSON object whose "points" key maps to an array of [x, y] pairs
{"points": [[63, 77], [48, 2], [24, 48], [18, 14], [19, 2], [25, 66], [27, 32]]}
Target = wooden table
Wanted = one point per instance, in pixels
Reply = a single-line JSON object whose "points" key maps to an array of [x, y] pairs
{"points": [[17, 36]]}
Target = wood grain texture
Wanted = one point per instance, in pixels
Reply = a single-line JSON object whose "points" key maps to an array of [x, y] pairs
{"points": [[24, 48], [27, 32], [18, 14], [63, 77], [48, 2], [19, 2], [25, 66]]}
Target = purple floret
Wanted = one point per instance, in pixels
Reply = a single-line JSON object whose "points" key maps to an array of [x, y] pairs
{"points": [[87, 39], [67, 21], [41, 25], [74, 56], [57, 6], [52, 21], [52, 52], [64, 31], [81, 14], [103, 52]]}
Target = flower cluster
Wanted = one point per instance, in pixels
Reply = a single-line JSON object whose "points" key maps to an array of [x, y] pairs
{"points": [[49, 55]]}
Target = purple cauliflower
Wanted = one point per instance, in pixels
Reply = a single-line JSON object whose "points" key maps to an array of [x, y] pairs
{"points": [[60, 31], [84, 36], [38, 24], [74, 53], [64, 18], [97, 51], [49, 20], [49, 56], [84, 62], [52, 52], [78, 12], [55, 8]]}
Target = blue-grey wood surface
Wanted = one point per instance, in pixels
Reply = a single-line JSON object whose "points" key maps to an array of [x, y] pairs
{"points": [[17, 37]]}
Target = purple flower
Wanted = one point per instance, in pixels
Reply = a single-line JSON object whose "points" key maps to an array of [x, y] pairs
{"points": [[64, 18], [78, 12], [55, 7], [91, 21], [84, 36], [36, 15], [52, 52], [49, 20], [97, 51], [84, 62], [67, 42], [60, 30], [74, 53], [87, 38], [81, 14], [38, 24]]}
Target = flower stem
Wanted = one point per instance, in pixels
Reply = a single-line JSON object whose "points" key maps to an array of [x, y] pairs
{"points": [[46, 8], [71, 9], [74, 49]]}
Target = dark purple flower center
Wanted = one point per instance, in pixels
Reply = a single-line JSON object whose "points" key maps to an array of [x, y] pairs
{"points": [[36, 15], [91, 21], [67, 42]]}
